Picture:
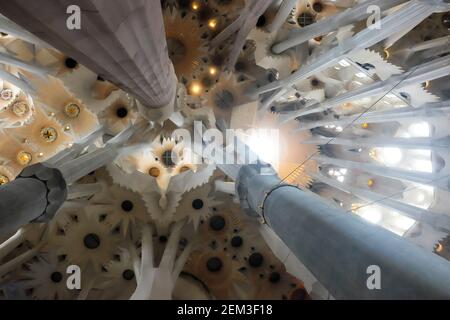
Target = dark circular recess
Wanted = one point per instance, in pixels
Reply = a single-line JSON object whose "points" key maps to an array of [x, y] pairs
{"points": [[315, 82], [207, 81], [218, 60], [184, 4], [177, 50], [56, 277], [167, 158], [217, 223], [317, 7], [273, 109], [163, 239], [224, 99], [261, 21], [127, 205], [71, 63], [128, 274], [223, 2], [305, 19], [446, 20], [405, 95], [122, 112], [240, 66], [205, 13], [91, 241], [367, 66], [99, 78], [298, 294], [274, 277], [236, 241], [197, 204], [255, 260], [272, 76], [214, 264]]}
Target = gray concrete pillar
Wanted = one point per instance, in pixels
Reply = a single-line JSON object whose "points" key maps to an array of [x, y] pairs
{"points": [[338, 247], [121, 40], [34, 196]]}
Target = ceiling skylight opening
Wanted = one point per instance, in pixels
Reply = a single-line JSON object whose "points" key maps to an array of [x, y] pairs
{"points": [[389, 156]]}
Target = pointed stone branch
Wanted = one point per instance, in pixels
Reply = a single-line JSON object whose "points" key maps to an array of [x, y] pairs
{"points": [[81, 166], [74, 151], [282, 14], [429, 110], [439, 221], [430, 44], [225, 187], [10, 244], [158, 282], [27, 66], [18, 82], [387, 142], [181, 261], [431, 179], [426, 72], [332, 23], [76, 191], [251, 16], [19, 260], [146, 269], [408, 16], [9, 27], [242, 26]]}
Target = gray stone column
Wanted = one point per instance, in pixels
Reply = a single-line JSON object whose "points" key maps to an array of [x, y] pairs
{"points": [[34, 196], [338, 248], [121, 40]]}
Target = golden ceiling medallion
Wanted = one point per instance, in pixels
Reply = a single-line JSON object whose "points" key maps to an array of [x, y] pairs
{"points": [[24, 158], [154, 172], [20, 108], [3, 179], [49, 134], [373, 154], [6, 94], [72, 110]]}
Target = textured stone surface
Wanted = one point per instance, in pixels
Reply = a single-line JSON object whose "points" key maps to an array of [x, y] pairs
{"points": [[121, 40]]}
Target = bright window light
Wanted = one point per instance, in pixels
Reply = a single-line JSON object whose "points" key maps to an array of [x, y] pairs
{"points": [[370, 214], [419, 129], [266, 144], [421, 165], [404, 223], [344, 63], [390, 156]]}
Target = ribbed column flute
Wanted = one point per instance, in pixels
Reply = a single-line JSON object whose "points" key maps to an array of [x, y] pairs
{"points": [[121, 40]]}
